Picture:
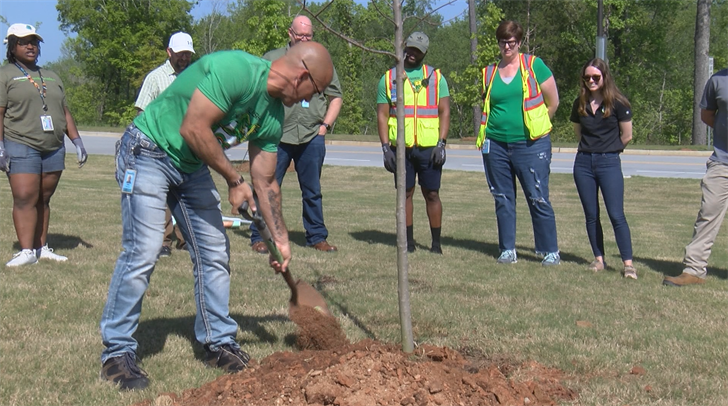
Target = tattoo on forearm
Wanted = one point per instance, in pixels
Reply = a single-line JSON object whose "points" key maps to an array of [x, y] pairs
{"points": [[274, 199]]}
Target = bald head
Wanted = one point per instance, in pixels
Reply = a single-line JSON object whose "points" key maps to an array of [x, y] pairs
{"points": [[301, 30], [314, 58], [305, 69]]}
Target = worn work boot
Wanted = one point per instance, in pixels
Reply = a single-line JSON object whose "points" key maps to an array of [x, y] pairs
{"points": [[228, 358], [682, 280], [124, 372]]}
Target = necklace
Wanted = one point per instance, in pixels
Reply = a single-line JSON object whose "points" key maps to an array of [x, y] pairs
{"points": [[42, 92]]}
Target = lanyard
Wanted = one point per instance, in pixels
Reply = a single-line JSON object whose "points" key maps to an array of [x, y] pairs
{"points": [[42, 93]]}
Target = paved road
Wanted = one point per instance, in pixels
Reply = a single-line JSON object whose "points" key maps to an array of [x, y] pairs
{"points": [[672, 164]]}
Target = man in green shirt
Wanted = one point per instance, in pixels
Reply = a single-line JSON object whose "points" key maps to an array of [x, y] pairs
{"points": [[304, 129], [164, 157], [180, 52]]}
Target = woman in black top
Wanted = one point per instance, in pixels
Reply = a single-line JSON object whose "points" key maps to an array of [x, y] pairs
{"points": [[602, 120]]}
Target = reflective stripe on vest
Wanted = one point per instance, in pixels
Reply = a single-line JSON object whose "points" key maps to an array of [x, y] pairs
{"points": [[421, 114], [535, 113]]}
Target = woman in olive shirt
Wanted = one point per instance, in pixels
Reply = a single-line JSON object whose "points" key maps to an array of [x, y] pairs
{"points": [[33, 120], [602, 120]]}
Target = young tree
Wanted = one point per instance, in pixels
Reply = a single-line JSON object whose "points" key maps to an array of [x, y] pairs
{"points": [[399, 22]]}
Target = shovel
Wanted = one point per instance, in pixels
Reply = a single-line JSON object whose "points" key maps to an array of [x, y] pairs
{"points": [[302, 294]]}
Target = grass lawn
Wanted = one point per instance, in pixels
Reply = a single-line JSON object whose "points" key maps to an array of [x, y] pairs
{"points": [[50, 342]]}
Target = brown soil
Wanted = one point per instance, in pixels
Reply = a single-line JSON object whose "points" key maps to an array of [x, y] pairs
{"points": [[373, 373], [316, 330]]}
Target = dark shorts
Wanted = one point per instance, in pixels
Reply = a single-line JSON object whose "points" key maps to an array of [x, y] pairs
{"points": [[24, 159], [418, 166]]}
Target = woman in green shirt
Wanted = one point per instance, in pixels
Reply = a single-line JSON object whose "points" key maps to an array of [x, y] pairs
{"points": [[516, 142]]}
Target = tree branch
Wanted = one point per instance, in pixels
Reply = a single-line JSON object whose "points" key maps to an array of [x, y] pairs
{"points": [[340, 35], [428, 15], [390, 19]]}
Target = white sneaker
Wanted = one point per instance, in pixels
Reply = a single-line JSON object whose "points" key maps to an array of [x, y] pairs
{"points": [[47, 253], [24, 257]]}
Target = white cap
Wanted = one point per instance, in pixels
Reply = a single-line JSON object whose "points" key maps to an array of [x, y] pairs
{"points": [[180, 42], [25, 30]]}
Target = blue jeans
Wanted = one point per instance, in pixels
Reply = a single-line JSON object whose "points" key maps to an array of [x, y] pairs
{"points": [[195, 203], [593, 172], [308, 159], [530, 162]]}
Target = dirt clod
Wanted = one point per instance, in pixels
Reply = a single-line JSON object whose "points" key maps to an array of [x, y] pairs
{"points": [[373, 373], [316, 330]]}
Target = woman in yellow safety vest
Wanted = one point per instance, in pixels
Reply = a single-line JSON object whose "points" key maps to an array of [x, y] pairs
{"points": [[519, 98]]}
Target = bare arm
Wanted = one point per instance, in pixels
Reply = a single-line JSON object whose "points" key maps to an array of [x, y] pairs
{"points": [[550, 95], [3, 157], [262, 172], [443, 113], [196, 130], [625, 132], [708, 117], [332, 112], [577, 131], [382, 125], [71, 130], [2, 123]]}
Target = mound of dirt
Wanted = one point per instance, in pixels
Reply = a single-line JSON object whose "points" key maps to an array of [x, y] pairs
{"points": [[373, 373]]}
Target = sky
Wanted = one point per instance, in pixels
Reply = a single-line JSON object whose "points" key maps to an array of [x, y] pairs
{"points": [[44, 12]]}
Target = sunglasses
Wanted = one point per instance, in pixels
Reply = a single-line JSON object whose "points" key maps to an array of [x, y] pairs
{"points": [[595, 78], [28, 41], [511, 43], [315, 88]]}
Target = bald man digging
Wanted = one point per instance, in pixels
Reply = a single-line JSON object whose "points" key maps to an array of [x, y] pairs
{"points": [[304, 131], [165, 157]]}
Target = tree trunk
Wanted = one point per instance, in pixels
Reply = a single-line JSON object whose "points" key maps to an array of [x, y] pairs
{"points": [[473, 58], [700, 75]]}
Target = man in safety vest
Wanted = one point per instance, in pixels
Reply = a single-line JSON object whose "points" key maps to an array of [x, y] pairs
{"points": [[427, 121]]}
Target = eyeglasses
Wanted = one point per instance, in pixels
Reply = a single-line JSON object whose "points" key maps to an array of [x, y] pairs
{"points": [[595, 78], [28, 41], [315, 88], [511, 44], [301, 36]]}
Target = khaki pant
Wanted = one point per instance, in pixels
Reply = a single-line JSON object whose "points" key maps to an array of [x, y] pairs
{"points": [[710, 217], [170, 230]]}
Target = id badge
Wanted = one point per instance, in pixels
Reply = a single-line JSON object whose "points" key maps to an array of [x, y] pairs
{"points": [[304, 104], [128, 185], [47, 123], [486, 147]]}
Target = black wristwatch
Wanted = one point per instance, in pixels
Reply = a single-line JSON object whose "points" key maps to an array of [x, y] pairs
{"points": [[328, 126]]}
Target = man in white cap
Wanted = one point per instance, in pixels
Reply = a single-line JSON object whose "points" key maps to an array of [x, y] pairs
{"points": [[180, 52], [427, 122]]}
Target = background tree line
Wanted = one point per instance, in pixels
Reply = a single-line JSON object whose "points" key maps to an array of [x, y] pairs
{"points": [[650, 50]]}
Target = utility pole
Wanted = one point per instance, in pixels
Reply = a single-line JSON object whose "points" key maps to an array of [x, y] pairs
{"points": [[601, 39], [473, 59]]}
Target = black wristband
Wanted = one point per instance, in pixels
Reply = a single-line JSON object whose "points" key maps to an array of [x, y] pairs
{"points": [[238, 182], [328, 127]]}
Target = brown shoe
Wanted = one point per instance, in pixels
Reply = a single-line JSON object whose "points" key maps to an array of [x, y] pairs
{"points": [[682, 280], [260, 247], [325, 246]]}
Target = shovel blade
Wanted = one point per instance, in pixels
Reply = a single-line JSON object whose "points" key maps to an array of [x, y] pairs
{"points": [[307, 296]]}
